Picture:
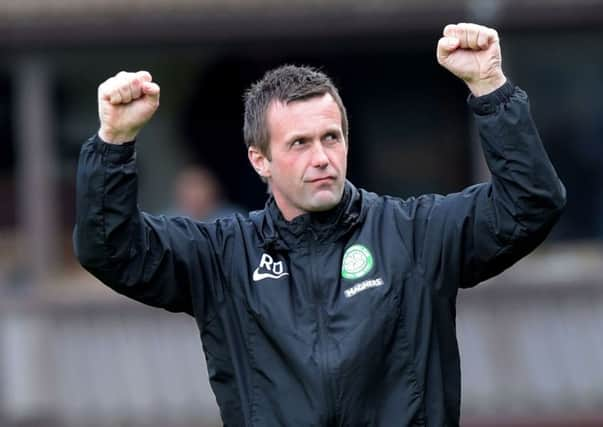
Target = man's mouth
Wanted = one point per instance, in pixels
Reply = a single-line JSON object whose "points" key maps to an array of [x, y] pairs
{"points": [[322, 179]]}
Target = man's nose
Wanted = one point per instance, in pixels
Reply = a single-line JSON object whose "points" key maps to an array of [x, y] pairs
{"points": [[319, 156]]}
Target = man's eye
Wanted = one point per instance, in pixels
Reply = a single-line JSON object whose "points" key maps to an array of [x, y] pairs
{"points": [[298, 142], [331, 137]]}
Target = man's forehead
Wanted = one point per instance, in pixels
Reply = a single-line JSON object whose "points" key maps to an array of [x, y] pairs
{"points": [[322, 105]]}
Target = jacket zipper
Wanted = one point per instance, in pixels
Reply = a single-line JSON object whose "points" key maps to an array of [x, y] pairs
{"points": [[323, 344]]}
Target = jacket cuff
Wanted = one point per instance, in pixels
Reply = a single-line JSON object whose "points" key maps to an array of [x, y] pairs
{"points": [[114, 153], [488, 104]]}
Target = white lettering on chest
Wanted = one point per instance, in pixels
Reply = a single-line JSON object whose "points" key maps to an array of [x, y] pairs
{"points": [[269, 269], [362, 286]]}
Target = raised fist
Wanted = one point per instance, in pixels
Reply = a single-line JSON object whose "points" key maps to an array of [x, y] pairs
{"points": [[472, 53], [125, 103]]}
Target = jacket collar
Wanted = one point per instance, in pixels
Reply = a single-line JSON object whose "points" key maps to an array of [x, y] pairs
{"points": [[279, 234]]}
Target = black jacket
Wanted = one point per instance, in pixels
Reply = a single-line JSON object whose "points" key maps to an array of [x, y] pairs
{"points": [[344, 318]]}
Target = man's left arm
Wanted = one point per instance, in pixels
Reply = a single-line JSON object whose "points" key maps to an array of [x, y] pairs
{"points": [[473, 235]]}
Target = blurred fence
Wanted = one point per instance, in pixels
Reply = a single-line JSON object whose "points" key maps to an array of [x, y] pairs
{"points": [[532, 343], [102, 364]]}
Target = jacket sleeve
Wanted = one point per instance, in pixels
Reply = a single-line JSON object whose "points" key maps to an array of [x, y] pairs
{"points": [[163, 262], [467, 237]]}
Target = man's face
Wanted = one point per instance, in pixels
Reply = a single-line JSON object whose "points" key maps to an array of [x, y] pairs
{"points": [[308, 163]]}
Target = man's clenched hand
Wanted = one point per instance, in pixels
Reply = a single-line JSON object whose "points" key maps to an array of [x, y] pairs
{"points": [[125, 103], [472, 53]]}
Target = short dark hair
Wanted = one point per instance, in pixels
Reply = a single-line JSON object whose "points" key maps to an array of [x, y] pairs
{"points": [[286, 83]]}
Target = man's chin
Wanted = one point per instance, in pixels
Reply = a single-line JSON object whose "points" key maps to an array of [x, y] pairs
{"points": [[325, 202]]}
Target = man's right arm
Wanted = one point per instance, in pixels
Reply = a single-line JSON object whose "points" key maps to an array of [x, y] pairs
{"points": [[159, 261]]}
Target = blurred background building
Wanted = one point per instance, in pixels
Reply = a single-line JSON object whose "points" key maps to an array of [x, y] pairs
{"points": [[74, 354]]}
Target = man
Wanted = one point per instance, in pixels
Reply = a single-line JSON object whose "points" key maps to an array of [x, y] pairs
{"points": [[198, 195], [332, 305]]}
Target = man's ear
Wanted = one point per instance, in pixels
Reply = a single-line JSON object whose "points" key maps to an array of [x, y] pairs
{"points": [[259, 162]]}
